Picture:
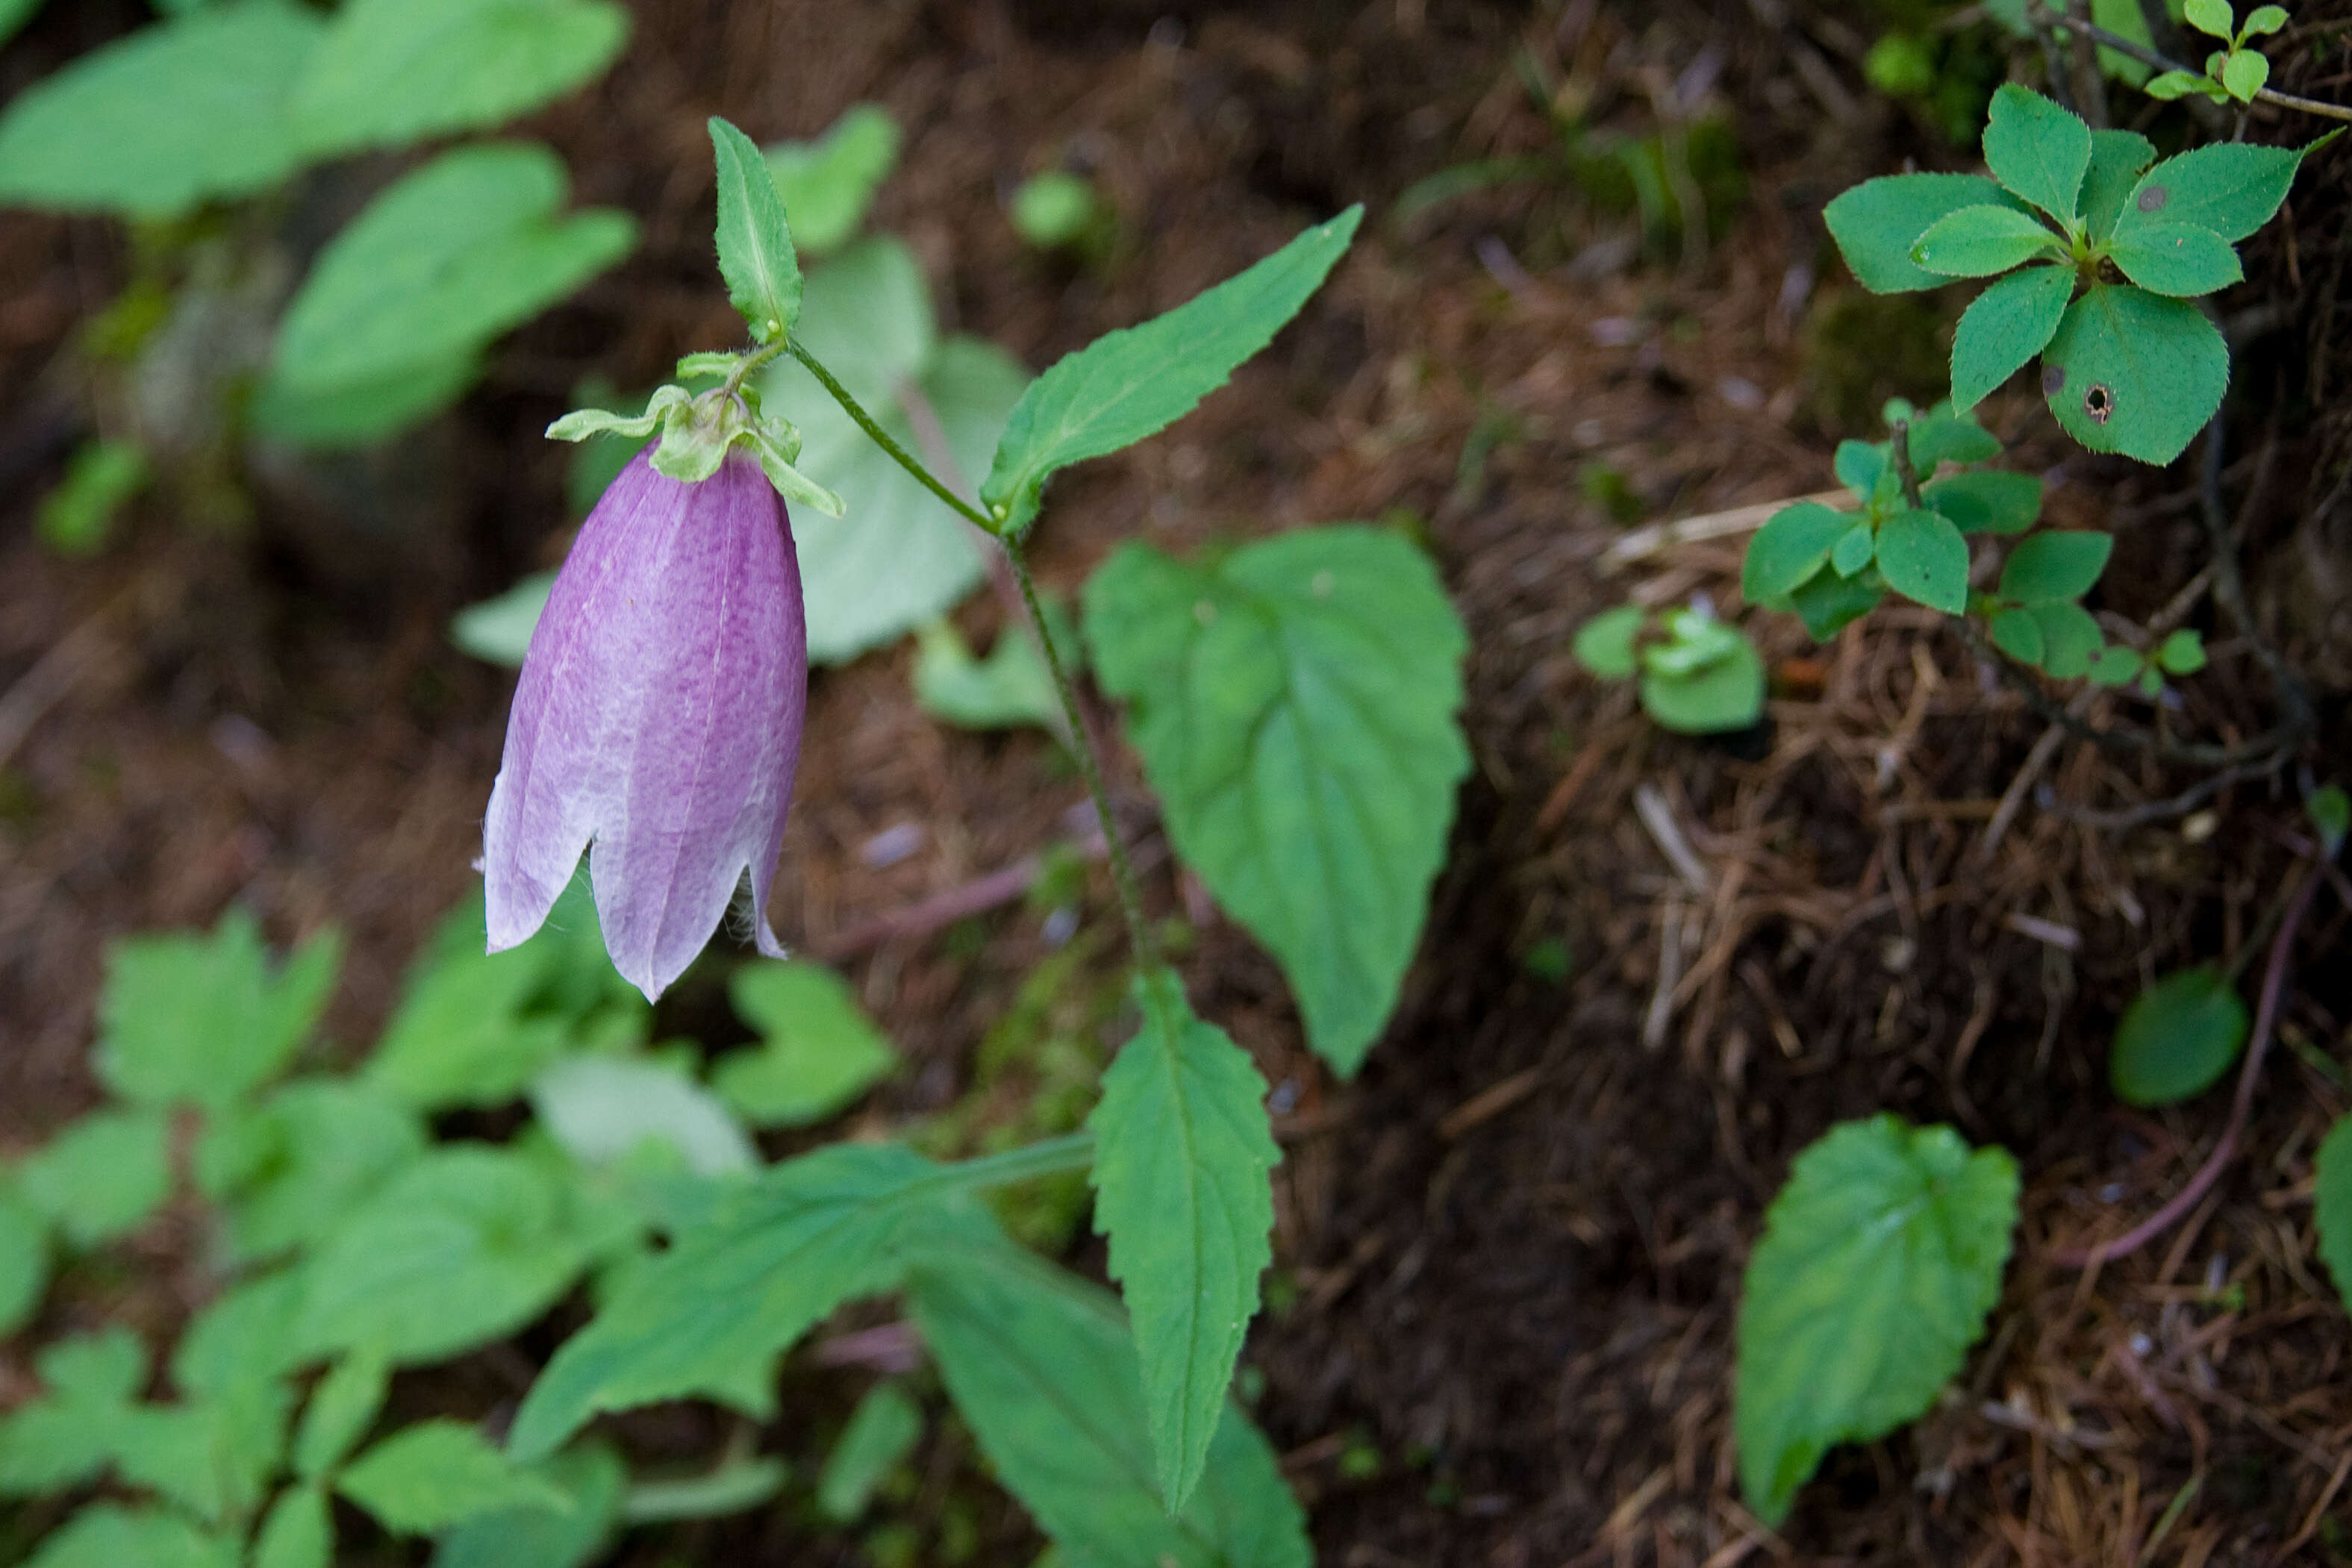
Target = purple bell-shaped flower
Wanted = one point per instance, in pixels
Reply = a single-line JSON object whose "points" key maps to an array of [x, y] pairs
{"points": [[659, 719]]}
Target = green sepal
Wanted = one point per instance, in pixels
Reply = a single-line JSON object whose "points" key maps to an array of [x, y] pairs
{"points": [[583, 423], [776, 462]]}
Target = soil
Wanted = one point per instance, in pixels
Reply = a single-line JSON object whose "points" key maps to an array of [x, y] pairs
{"points": [[1508, 1255]]}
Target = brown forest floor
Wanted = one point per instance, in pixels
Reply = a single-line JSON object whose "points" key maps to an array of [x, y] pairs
{"points": [[1508, 1254]]}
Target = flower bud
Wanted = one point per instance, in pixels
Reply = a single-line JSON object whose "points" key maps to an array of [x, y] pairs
{"points": [[657, 719]]}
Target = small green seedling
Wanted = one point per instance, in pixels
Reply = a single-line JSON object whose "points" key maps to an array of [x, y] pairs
{"points": [[1059, 210], [2099, 250], [1698, 675], [2234, 71]]}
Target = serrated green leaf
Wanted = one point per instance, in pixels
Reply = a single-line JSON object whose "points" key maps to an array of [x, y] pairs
{"points": [[2134, 373], [1876, 222], [1986, 502], [289, 1168], [828, 184], [450, 256], [1879, 1262], [711, 1315], [882, 1431], [2117, 159], [1295, 705], [172, 115], [1792, 546], [591, 1476], [24, 1259], [1829, 603], [2230, 187], [108, 1535], [205, 1020], [2178, 1037], [391, 72], [2332, 1204], [343, 1408], [297, 1532], [2018, 634], [213, 1456], [2070, 639], [2037, 148], [819, 1049], [898, 557], [2177, 259], [1136, 381], [439, 1473], [245, 1336], [1923, 557], [2006, 326], [466, 1245], [2244, 73], [1605, 644], [1976, 241], [1184, 1150], [755, 243], [101, 1179], [1042, 1370], [2056, 565]]}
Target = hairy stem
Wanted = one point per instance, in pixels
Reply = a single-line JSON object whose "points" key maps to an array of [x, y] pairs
{"points": [[898, 454], [1122, 873]]}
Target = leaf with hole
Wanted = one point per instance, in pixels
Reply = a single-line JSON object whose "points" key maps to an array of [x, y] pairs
{"points": [[1876, 222], [2004, 327], [1184, 1150], [1134, 382], [2178, 1037], [1880, 1258], [1295, 704], [1923, 557], [188, 111], [2230, 187], [2134, 373]]}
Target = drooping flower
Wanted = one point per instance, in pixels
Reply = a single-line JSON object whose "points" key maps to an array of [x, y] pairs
{"points": [[657, 719]]}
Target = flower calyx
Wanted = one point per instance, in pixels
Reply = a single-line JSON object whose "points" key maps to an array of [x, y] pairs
{"points": [[697, 430]]}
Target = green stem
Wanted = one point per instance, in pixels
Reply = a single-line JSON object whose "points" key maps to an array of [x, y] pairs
{"points": [[1051, 1156], [747, 364], [904, 458], [1130, 897]]}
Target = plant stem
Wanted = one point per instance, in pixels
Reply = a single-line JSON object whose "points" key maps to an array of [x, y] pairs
{"points": [[1122, 873], [2039, 13], [748, 363], [1904, 469], [881, 438]]}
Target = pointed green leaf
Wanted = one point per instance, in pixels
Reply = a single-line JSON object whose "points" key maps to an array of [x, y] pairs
{"points": [[2332, 1204], [437, 1473], [1042, 1370], [343, 1408], [246, 1335], [2055, 566], [1183, 1152], [2178, 1038], [1976, 241], [711, 1315], [1879, 1261], [755, 243], [2070, 639], [392, 72], [1136, 381], [2177, 259], [101, 1179], [1876, 222], [2230, 187], [820, 1050], [213, 1456], [299, 1532], [1923, 557], [882, 1431], [1830, 602], [1295, 708], [1605, 644], [108, 1535], [2118, 158], [2004, 327], [2018, 634], [2134, 373], [593, 1479], [174, 114], [1986, 502], [1793, 544], [2037, 148], [462, 1034], [206, 1021]]}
